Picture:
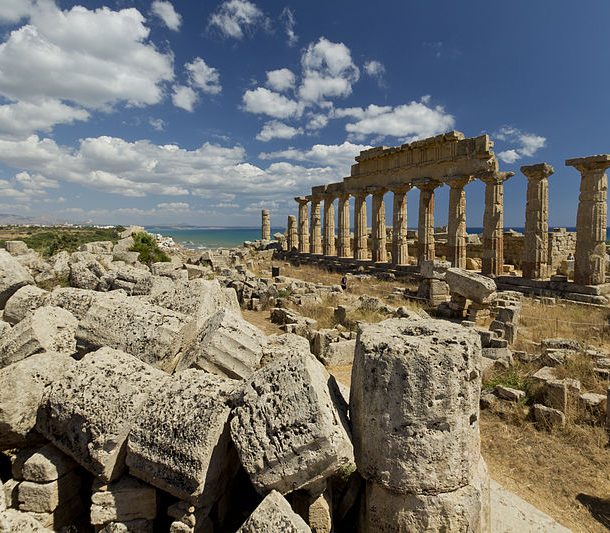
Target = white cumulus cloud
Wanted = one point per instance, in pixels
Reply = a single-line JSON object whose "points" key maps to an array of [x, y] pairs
{"points": [[328, 71], [184, 97], [338, 156], [262, 101], [281, 80], [405, 122], [203, 77], [234, 18], [166, 12], [522, 144], [91, 58], [277, 130]]}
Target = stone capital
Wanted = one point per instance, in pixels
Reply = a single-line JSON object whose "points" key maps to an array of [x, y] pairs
{"points": [[587, 164], [458, 182], [376, 191], [494, 178], [426, 184], [301, 200], [537, 172], [403, 188]]}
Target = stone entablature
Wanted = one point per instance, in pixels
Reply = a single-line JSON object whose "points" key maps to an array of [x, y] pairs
{"points": [[450, 154]]}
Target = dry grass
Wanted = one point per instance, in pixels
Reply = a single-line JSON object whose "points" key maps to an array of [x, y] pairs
{"points": [[580, 322], [553, 471], [580, 367], [370, 285]]}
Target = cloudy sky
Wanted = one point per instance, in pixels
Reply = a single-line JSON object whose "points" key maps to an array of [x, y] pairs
{"points": [[202, 112]]}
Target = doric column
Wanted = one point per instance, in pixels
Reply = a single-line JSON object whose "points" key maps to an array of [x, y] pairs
{"points": [[425, 229], [303, 230], [493, 222], [456, 222], [536, 256], [360, 228], [378, 248], [266, 225], [591, 219], [400, 251], [291, 230], [315, 238], [344, 243], [329, 225]]}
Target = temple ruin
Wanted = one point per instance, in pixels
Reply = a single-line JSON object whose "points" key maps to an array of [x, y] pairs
{"points": [[452, 159]]}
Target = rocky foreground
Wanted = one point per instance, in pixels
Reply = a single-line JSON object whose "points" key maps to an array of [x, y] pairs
{"points": [[137, 399]]}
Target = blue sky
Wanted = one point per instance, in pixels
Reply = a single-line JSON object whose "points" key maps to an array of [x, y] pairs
{"points": [[203, 112]]}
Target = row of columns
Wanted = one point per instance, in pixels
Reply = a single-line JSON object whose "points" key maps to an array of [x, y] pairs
{"points": [[316, 234], [317, 237]]}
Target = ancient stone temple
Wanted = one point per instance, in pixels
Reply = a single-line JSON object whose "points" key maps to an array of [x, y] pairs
{"points": [[456, 161], [448, 159]]}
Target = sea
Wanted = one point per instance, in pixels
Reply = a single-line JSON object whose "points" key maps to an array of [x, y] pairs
{"points": [[202, 238]]}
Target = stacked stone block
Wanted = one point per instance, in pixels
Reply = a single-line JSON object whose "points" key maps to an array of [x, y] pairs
{"points": [[49, 486], [126, 504]]}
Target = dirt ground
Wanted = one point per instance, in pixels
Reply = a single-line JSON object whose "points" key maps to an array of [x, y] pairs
{"points": [[566, 474]]}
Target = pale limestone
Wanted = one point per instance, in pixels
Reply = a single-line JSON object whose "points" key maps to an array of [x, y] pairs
{"points": [[22, 386], [149, 332], [414, 405], [13, 276], [226, 345], [274, 515], [47, 329], [123, 500], [89, 412], [23, 302], [181, 441], [290, 426]]}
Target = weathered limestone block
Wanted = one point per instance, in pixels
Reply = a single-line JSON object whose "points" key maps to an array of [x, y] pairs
{"points": [[47, 329], [199, 298], [68, 513], [547, 417], [181, 441], [139, 280], [274, 515], [290, 427], [13, 276], [279, 346], [226, 345], [123, 500], [77, 301], [339, 353], [13, 521], [89, 411], [46, 464], [85, 275], [9, 488], [414, 404], [149, 332], [16, 247], [97, 247], [46, 497], [465, 509], [23, 302], [61, 264], [470, 285]]}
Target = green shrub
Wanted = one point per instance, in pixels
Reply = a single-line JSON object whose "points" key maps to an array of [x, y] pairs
{"points": [[146, 245]]}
